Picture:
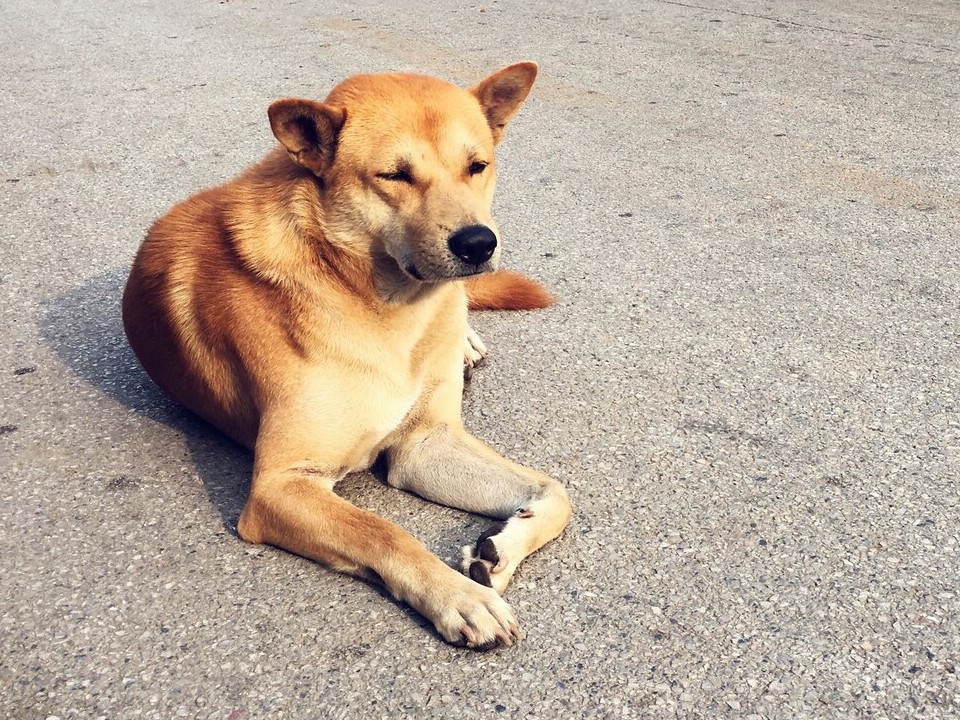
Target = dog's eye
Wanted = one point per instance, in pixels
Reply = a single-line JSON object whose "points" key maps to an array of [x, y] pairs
{"points": [[402, 175], [477, 167]]}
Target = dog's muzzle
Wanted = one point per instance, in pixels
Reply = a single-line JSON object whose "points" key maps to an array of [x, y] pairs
{"points": [[473, 244]]}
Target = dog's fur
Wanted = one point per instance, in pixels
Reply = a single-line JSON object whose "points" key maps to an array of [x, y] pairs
{"points": [[315, 310]]}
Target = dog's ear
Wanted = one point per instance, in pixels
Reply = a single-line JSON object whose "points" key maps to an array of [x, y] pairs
{"points": [[308, 130], [502, 94]]}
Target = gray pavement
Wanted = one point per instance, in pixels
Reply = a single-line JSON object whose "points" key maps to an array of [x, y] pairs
{"points": [[750, 212]]}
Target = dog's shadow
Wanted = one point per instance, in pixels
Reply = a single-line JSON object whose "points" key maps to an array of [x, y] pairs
{"points": [[83, 328]]}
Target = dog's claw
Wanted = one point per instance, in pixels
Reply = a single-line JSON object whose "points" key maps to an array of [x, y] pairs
{"points": [[489, 645]]}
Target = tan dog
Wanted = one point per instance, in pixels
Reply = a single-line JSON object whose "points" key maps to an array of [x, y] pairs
{"points": [[315, 310]]}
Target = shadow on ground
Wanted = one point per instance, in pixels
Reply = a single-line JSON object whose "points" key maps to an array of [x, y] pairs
{"points": [[84, 329]]}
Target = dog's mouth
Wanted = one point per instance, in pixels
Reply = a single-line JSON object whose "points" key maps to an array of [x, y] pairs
{"points": [[476, 270], [411, 270]]}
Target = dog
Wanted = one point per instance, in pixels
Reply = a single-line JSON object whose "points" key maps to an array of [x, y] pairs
{"points": [[315, 309]]}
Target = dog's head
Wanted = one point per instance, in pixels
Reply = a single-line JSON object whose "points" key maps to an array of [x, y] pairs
{"points": [[407, 166]]}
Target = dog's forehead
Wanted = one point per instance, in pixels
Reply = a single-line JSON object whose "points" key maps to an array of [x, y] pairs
{"points": [[407, 113]]}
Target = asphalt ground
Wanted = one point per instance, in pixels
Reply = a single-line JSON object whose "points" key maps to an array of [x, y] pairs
{"points": [[750, 213]]}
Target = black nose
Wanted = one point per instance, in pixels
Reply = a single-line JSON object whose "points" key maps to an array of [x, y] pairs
{"points": [[473, 244]]}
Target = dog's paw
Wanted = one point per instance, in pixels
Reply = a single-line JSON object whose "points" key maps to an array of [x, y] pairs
{"points": [[476, 616], [491, 561], [474, 351]]}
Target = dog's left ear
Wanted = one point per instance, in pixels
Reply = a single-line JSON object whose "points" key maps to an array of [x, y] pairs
{"points": [[502, 94], [308, 130]]}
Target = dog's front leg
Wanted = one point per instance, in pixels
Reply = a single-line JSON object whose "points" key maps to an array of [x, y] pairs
{"points": [[474, 350], [447, 465], [294, 507]]}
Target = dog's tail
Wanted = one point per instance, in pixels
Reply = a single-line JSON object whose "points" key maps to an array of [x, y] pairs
{"points": [[505, 290]]}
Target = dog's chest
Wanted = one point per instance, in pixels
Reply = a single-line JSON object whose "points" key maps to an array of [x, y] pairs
{"points": [[412, 340], [380, 373]]}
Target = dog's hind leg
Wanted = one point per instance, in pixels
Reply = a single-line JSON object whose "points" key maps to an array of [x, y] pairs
{"points": [[449, 466]]}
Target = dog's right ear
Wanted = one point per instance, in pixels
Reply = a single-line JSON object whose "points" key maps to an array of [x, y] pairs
{"points": [[502, 94], [308, 130]]}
